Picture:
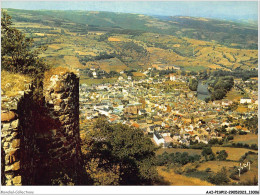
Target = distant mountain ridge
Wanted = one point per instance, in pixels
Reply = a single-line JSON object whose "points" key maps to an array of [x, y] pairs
{"points": [[120, 41], [224, 32]]}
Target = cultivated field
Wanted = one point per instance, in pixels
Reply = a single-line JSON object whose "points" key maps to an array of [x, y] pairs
{"points": [[13, 83], [234, 95], [253, 172], [180, 180], [246, 139], [89, 81], [216, 166]]}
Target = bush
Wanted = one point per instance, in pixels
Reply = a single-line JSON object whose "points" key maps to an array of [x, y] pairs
{"points": [[230, 137], [234, 176], [220, 178], [222, 155], [242, 133]]}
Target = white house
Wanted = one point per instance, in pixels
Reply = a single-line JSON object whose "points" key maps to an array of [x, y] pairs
{"points": [[158, 138], [172, 77], [94, 74], [245, 100], [120, 78]]}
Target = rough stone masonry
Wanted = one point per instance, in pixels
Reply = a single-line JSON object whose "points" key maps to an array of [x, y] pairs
{"points": [[40, 141]]}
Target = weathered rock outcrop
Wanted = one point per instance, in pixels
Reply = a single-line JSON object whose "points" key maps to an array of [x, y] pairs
{"points": [[41, 142]]}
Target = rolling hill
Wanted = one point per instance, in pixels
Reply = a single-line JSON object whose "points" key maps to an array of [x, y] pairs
{"points": [[119, 41]]}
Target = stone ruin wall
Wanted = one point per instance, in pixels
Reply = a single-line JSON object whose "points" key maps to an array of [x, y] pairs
{"points": [[15, 139], [36, 140]]}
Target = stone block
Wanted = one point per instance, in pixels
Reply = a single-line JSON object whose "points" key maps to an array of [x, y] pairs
{"points": [[57, 108], [5, 126], [13, 156], [59, 102], [59, 87], [14, 124], [16, 166], [9, 138], [14, 134], [4, 134], [16, 143], [6, 145], [9, 182], [8, 168], [17, 180], [8, 116], [9, 177]]}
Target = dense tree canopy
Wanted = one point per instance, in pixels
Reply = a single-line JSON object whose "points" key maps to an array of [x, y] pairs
{"points": [[176, 158], [221, 86], [119, 155], [193, 84], [17, 51]]}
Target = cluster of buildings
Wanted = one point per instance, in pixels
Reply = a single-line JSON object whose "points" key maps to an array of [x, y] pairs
{"points": [[170, 117]]}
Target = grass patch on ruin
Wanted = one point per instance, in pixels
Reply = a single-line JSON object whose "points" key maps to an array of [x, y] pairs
{"points": [[13, 83]]}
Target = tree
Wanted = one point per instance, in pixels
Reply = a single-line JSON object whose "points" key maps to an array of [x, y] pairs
{"points": [[218, 94], [121, 152], [193, 84], [222, 155], [208, 154], [17, 51], [207, 99]]}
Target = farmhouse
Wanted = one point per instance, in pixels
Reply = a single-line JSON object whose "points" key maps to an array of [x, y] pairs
{"points": [[158, 138], [245, 100]]}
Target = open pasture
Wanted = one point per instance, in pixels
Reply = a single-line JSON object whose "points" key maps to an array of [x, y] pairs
{"points": [[233, 153], [246, 139], [180, 180]]}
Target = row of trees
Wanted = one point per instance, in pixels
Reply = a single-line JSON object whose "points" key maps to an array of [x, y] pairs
{"points": [[245, 145], [209, 155], [176, 158], [238, 73]]}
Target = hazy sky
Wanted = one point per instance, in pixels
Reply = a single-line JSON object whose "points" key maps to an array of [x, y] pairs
{"points": [[211, 9]]}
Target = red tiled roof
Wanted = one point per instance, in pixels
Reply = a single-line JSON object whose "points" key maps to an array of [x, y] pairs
{"points": [[135, 125], [112, 119]]}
